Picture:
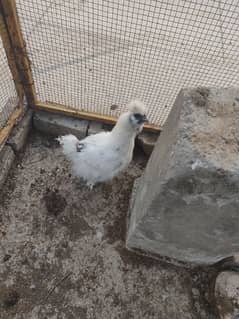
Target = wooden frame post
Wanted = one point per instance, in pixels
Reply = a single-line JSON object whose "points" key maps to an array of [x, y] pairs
{"points": [[16, 51], [10, 58]]}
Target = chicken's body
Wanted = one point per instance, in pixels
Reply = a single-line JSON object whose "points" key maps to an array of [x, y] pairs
{"points": [[100, 157]]}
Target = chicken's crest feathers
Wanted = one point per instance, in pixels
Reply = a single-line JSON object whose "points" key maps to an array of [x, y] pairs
{"points": [[136, 106]]}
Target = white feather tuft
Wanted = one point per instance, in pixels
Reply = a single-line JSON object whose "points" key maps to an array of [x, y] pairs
{"points": [[136, 106], [68, 143]]}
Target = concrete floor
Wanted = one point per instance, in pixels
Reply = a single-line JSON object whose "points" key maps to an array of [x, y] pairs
{"points": [[62, 251]]}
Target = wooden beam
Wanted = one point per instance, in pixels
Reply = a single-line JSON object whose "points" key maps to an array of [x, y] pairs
{"points": [[18, 49], [58, 108], [10, 57], [6, 130]]}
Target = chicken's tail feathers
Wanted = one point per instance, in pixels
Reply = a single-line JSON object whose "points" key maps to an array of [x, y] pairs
{"points": [[68, 143]]}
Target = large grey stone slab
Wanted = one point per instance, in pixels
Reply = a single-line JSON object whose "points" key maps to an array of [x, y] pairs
{"points": [[57, 124], [19, 134], [95, 127], [187, 205]]}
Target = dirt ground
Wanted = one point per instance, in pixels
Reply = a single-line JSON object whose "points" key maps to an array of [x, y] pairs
{"points": [[62, 252]]}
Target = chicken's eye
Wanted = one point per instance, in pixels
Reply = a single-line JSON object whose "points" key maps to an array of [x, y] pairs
{"points": [[137, 116]]}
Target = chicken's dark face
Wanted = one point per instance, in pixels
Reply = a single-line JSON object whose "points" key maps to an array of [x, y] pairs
{"points": [[137, 120]]}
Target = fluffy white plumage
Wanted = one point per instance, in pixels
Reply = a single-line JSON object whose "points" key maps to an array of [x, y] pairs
{"points": [[100, 157]]}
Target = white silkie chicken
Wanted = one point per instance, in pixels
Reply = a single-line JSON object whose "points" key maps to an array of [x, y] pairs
{"points": [[100, 157]]}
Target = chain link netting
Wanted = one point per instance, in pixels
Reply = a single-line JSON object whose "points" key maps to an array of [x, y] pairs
{"points": [[92, 55], [8, 95]]}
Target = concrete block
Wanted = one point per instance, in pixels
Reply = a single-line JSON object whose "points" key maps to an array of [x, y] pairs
{"points": [[147, 141], [107, 127], [6, 160], [227, 295], [57, 124], [20, 132], [95, 127], [186, 205]]}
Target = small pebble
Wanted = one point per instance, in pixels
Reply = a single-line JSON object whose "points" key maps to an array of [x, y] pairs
{"points": [[6, 257], [42, 170], [195, 292]]}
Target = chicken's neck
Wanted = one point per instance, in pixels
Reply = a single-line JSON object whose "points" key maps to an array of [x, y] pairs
{"points": [[123, 137]]}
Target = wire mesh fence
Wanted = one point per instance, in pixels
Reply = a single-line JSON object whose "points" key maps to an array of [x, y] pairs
{"points": [[92, 55], [8, 95]]}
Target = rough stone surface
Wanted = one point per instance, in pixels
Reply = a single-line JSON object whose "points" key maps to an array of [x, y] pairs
{"points": [[56, 124], [187, 203], [95, 127], [147, 141], [227, 295], [20, 132], [62, 252], [6, 160]]}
